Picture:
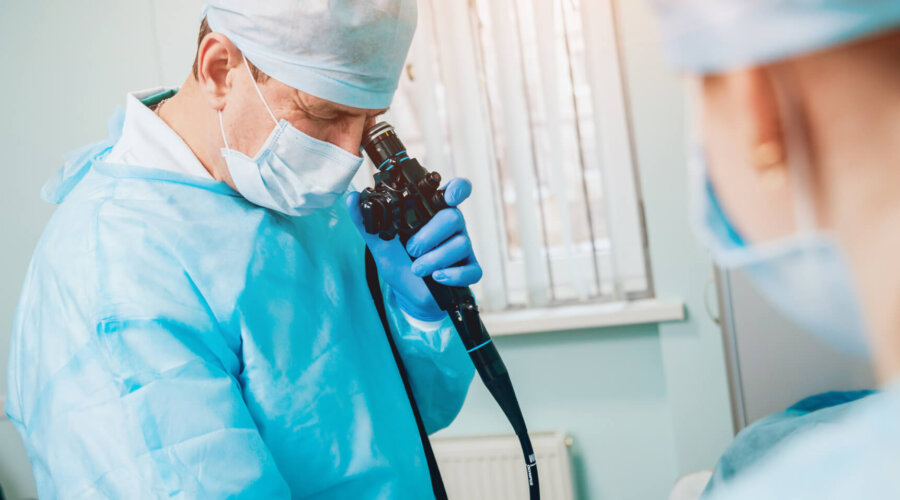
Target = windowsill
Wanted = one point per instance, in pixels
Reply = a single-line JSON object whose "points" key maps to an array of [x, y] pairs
{"points": [[583, 316]]}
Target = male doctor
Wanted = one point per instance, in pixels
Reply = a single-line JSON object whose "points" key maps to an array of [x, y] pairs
{"points": [[196, 322]]}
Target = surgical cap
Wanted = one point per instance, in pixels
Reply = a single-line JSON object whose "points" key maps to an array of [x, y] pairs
{"points": [[346, 51], [708, 36]]}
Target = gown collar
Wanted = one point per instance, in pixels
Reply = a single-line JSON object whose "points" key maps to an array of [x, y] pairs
{"points": [[147, 140], [171, 161]]}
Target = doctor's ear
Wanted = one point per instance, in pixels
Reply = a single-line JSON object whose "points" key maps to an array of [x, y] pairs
{"points": [[216, 58]]}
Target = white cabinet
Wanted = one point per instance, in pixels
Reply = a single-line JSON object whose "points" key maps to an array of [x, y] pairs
{"points": [[771, 362]]}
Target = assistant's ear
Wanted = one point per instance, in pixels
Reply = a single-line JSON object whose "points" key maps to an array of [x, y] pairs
{"points": [[216, 58], [762, 130]]}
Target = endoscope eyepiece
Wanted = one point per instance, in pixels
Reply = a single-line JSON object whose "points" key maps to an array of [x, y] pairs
{"points": [[382, 144], [376, 130]]}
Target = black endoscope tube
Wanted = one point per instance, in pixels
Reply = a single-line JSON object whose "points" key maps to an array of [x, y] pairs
{"points": [[404, 181]]}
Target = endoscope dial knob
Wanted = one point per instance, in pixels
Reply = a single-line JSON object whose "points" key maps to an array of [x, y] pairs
{"points": [[376, 213]]}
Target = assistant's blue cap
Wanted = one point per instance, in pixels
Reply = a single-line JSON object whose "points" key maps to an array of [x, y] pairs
{"points": [[709, 36], [346, 51]]}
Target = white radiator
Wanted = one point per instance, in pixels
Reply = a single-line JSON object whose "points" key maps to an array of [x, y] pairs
{"points": [[493, 468]]}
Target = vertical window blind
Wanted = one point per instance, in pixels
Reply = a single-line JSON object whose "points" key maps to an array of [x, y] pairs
{"points": [[526, 98]]}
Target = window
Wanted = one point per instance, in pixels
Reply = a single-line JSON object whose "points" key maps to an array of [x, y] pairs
{"points": [[525, 98]]}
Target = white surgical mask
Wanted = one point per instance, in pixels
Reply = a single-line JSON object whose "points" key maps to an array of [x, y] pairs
{"points": [[803, 275], [293, 173]]}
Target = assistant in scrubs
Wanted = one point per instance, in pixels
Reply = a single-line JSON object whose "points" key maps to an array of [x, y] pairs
{"points": [[796, 181]]}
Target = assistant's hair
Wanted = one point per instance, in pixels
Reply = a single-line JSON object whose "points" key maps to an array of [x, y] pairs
{"points": [[205, 30]]}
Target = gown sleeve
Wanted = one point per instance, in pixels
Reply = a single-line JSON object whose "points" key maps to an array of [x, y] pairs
{"points": [[439, 368], [135, 393], [150, 408]]}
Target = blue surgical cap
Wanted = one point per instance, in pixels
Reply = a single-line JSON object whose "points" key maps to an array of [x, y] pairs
{"points": [[346, 51], [709, 36]]}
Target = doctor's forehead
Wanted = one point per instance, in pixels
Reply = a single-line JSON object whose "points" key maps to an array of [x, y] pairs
{"points": [[321, 108]]}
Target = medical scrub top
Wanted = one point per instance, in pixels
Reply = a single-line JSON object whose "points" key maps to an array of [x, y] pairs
{"points": [[174, 340], [758, 441], [857, 456]]}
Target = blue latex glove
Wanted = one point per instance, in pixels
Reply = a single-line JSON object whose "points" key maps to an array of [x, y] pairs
{"points": [[441, 249]]}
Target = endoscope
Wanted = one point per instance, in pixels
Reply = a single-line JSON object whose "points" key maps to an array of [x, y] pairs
{"points": [[405, 197]]}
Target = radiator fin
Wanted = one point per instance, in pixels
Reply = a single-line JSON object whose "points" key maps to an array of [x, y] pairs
{"points": [[492, 467]]}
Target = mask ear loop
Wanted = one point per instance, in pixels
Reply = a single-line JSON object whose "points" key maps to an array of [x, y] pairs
{"points": [[696, 158], [797, 152], [222, 128], [263, 99], [693, 129]]}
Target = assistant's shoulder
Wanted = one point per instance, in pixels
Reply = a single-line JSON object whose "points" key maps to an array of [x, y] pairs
{"points": [[856, 457]]}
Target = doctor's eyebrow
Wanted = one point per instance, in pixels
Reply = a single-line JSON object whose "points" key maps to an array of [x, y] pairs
{"points": [[340, 112], [320, 108], [379, 112]]}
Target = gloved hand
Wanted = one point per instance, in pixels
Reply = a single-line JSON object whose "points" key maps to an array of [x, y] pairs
{"points": [[441, 249]]}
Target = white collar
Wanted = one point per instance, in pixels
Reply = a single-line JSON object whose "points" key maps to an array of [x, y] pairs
{"points": [[147, 141]]}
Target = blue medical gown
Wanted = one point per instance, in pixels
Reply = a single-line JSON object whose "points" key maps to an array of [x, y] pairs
{"points": [[173, 340]]}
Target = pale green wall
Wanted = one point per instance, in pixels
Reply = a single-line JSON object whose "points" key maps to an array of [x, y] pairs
{"points": [[643, 403]]}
